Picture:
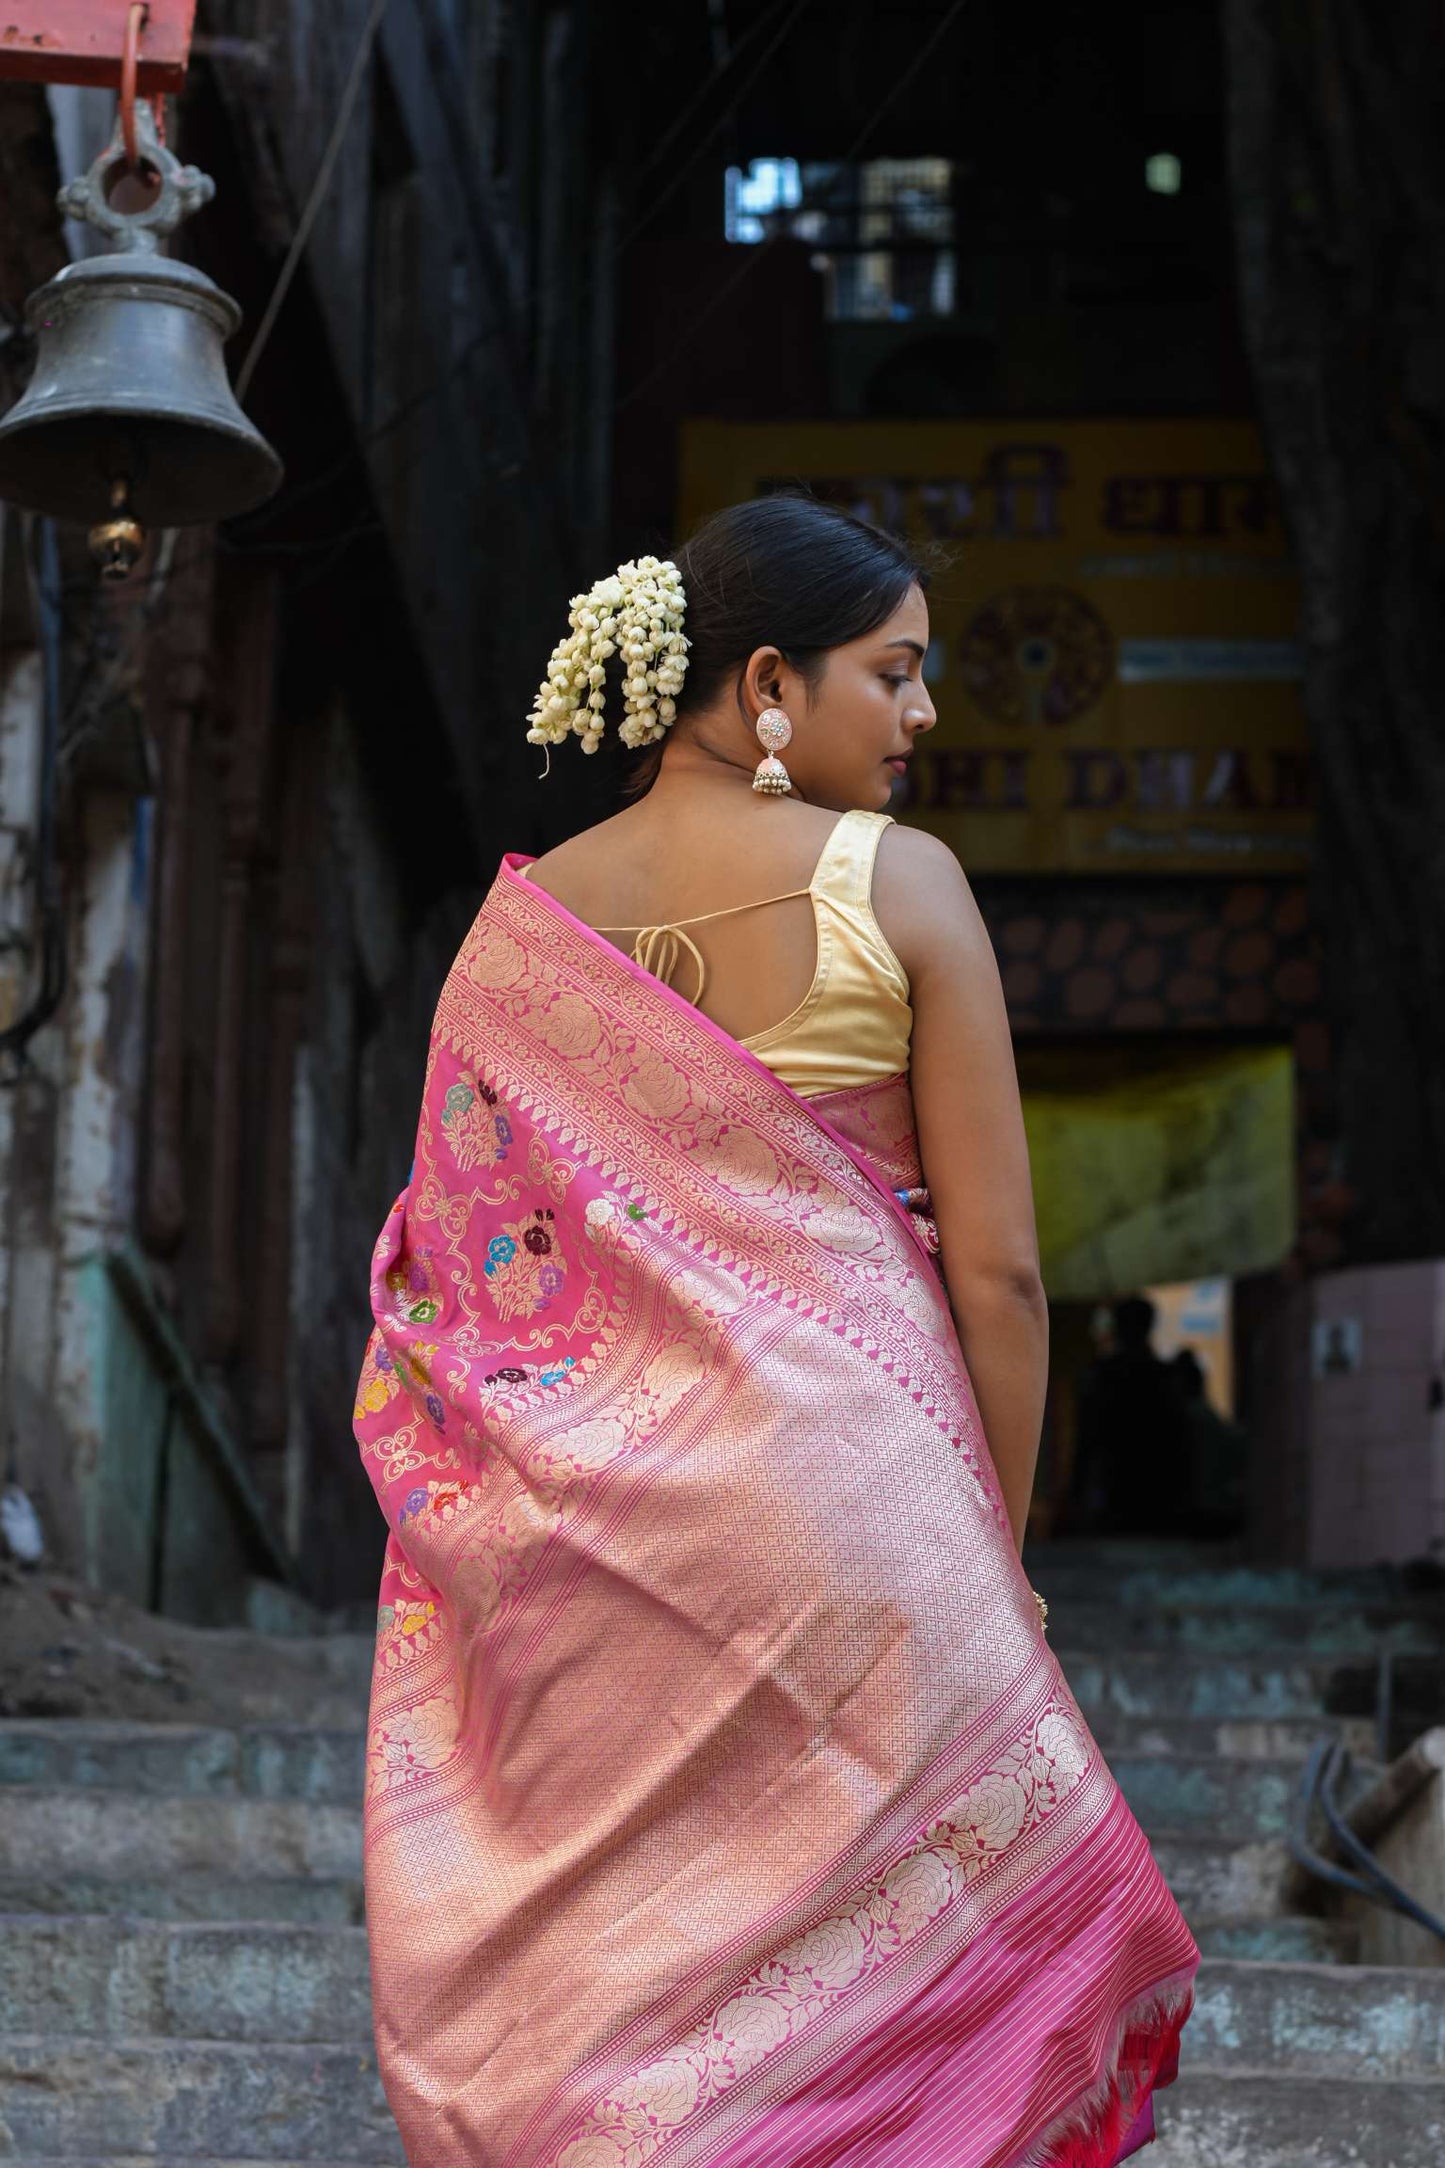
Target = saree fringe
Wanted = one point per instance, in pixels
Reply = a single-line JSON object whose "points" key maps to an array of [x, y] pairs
{"points": [[1145, 2045]]}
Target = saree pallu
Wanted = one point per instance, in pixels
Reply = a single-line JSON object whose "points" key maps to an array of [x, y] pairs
{"points": [[726, 1806]]}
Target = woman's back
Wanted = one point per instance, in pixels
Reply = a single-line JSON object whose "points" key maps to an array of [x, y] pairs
{"points": [[683, 852]]}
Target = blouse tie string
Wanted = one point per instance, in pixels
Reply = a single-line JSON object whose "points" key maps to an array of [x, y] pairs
{"points": [[659, 949]]}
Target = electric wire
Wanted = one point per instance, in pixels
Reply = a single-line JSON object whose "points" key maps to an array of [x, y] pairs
{"points": [[683, 119], [729, 286], [466, 352], [408, 409], [705, 142], [319, 186], [534, 297]]}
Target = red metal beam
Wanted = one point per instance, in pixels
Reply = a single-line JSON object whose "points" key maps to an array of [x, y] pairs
{"points": [[81, 41]]}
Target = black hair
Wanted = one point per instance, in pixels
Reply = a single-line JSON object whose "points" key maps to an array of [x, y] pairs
{"points": [[789, 571], [1134, 1319], [1189, 1373]]}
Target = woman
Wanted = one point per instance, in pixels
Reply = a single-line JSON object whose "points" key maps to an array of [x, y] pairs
{"points": [[727, 1806]]}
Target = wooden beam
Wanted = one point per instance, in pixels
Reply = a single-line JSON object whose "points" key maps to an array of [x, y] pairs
{"points": [[81, 41]]}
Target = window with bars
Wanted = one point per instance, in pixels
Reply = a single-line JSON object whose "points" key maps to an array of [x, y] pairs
{"points": [[881, 229]]}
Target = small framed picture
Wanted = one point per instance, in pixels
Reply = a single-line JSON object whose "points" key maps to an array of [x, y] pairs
{"points": [[1338, 1346]]}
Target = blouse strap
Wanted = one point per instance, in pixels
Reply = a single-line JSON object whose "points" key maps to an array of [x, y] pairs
{"points": [[660, 949], [702, 917], [844, 872]]}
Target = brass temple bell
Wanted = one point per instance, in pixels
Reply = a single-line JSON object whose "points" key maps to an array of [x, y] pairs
{"points": [[129, 416]]}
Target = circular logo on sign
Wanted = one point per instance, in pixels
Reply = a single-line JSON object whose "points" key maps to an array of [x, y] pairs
{"points": [[1037, 655]]}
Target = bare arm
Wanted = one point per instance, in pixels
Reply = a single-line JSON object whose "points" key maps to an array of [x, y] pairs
{"points": [[971, 1141]]}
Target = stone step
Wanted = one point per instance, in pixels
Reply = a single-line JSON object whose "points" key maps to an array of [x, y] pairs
{"points": [[1108, 1555], [1214, 1878], [181, 1858], [288, 1900], [83, 2099], [1155, 1683], [259, 1678], [1238, 1738], [1374, 2021], [1292, 1938], [1230, 1798], [64, 2099], [51, 1837], [1227, 1887], [326, 1764], [1237, 2118], [45, 1835], [1080, 1626], [134, 1978], [265, 1761], [196, 2100], [1239, 1587]]}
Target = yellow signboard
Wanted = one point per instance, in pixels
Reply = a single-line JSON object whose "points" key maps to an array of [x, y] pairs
{"points": [[1114, 652]]}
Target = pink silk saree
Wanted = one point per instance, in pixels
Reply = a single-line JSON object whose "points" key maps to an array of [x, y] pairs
{"points": [[726, 1805]]}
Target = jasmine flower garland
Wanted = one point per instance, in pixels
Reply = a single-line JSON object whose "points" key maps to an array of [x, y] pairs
{"points": [[637, 613]]}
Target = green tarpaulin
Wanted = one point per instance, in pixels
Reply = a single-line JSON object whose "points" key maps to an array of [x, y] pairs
{"points": [[1151, 1168]]}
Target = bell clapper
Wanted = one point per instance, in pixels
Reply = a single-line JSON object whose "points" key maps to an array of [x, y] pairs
{"points": [[116, 543]]}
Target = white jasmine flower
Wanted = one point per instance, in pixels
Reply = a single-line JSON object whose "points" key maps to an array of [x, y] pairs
{"points": [[636, 612]]}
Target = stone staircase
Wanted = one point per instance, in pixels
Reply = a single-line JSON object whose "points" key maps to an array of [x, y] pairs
{"points": [[1205, 1682], [183, 1968], [183, 1962]]}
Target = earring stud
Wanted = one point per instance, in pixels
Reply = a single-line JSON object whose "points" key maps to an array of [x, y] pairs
{"points": [[775, 730]]}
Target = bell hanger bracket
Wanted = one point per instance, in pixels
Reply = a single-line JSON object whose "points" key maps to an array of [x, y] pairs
{"points": [[179, 190]]}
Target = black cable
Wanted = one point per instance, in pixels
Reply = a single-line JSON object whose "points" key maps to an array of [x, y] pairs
{"points": [[707, 139], [1387, 1891], [1328, 1758]]}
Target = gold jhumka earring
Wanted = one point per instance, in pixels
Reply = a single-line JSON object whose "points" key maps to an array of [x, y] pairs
{"points": [[774, 728]]}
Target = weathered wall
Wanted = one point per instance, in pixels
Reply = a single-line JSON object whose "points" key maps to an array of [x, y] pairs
{"points": [[292, 754], [460, 267], [1377, 1476], [356, 1093], [1354, 1471]]}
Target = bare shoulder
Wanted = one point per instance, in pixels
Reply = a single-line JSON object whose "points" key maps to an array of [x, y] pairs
{"points": [[910, 857], [923, 901], [685, 851], [584, 848]]}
